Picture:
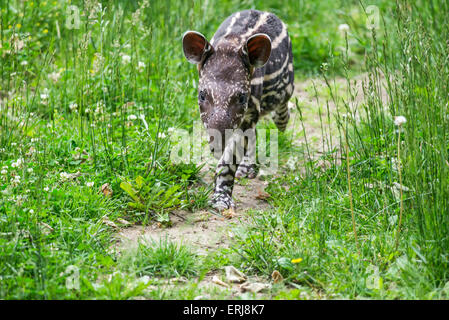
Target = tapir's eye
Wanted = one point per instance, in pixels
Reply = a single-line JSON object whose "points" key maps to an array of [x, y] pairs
{"points": [[202, 96], [242, 98]]}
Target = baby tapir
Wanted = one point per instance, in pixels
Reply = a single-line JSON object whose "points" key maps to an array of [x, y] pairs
{"points": [[245, 72]]}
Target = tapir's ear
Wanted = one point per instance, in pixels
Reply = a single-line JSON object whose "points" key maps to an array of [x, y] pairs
{"points": [[258, 49], [195, 46]]}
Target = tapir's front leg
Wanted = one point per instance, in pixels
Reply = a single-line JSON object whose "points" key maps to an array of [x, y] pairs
{"points": [[225, 173], [248, 167], [224, 183]]}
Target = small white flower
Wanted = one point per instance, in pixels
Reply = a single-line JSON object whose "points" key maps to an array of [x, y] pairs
{"points": [[64, 175], [46, 189], [399, 120], [73, 106], [24, 63], [90, 184], [4, 172], [87, 110], [171, 129], [16, 180], [17, 164], [161, 135], [343, 27], [30, 170], [54, 76], [126, 59], [141, 66], [31, 211], [132, 117]]}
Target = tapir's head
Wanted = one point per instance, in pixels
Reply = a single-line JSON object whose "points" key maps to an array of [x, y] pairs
{"points": [[225, 72]]}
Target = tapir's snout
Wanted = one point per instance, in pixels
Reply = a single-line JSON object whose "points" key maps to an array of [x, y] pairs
{"points": [[218, 124]]}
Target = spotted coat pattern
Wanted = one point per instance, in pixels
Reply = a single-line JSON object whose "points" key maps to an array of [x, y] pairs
{"points": [[224, 76]]}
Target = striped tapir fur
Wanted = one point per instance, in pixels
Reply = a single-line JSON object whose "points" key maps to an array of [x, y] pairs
{"points": [[245, 72]]}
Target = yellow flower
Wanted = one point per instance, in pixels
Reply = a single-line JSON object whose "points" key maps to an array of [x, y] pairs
{"points": [[298, 260], [45, 31], [18, 26]]}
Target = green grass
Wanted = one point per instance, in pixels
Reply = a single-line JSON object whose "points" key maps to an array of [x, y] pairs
{"points": [[86, 116], [166, 259]]}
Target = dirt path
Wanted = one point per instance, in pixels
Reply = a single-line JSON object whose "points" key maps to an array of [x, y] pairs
{"points": [[201, 230]]}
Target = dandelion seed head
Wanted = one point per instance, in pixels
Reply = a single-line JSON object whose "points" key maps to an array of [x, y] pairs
{"points": [[343, 27], [399, 120]]}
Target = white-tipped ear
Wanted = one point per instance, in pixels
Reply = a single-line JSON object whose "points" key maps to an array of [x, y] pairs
{"points": [[258, 49], [195, 46]]}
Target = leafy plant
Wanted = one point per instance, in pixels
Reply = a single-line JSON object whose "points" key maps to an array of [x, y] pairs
{"points": [[152, 197]]}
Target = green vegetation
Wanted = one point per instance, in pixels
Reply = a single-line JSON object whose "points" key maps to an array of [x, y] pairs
{"points": [[164, 258], [88, 103]]}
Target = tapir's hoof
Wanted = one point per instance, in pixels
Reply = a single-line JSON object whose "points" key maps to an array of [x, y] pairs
{"points": [[222, 202], [246, 171]]}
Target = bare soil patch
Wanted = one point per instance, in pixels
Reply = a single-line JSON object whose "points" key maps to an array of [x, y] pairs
{"points": [[202, 230]]}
